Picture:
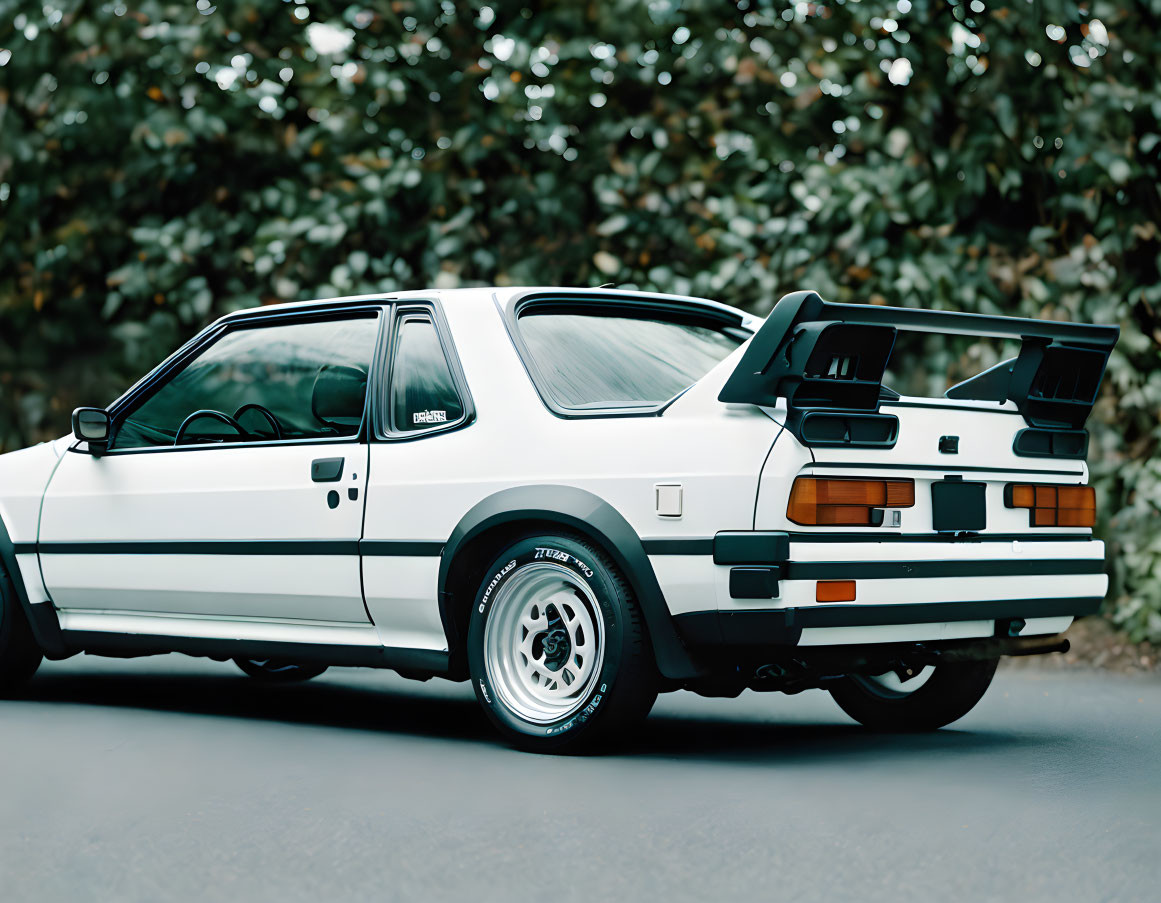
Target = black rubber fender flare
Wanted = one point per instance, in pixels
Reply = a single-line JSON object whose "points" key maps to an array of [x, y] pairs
{"points": [[41, 617], [583, 512]]}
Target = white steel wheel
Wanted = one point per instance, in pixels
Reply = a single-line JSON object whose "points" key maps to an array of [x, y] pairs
{"points": [[893, 685], [557, 649], [544, 643], [937, 695]]}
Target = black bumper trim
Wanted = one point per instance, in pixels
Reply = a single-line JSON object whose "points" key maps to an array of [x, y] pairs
{"points": [[754, 583], [784, 626], [871, 570], [729, 547], [751, 548], [950, 538]]}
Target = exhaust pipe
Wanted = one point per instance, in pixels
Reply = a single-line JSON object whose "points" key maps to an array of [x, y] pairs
{"points": [[974, 652]]}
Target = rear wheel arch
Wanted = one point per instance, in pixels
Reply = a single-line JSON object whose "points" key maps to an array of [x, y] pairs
{"points": [[500, 519]]}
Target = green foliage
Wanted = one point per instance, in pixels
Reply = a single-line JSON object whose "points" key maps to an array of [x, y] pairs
{"points": [[164, 162]]}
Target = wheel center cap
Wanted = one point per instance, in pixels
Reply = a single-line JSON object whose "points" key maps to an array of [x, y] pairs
{"points": [[556, 648]]}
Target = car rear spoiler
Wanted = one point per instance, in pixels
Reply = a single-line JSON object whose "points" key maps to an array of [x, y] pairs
{"points": [[826, 357]]}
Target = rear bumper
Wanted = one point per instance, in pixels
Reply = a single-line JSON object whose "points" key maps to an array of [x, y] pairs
{"points": [[784, 626], [908, 588]]}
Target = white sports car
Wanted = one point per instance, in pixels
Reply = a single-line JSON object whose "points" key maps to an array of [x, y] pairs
{"points": [[574, 498]]}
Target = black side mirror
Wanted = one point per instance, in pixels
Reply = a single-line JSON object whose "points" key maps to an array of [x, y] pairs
{"points": [[338, 396], [91, 425]]}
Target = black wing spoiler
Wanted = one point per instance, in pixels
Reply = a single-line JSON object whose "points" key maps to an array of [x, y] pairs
{"points": [[821, 356]]}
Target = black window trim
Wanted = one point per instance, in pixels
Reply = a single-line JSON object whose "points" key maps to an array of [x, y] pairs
{"points": [[432, 311], [581, 302], [259, 317]]}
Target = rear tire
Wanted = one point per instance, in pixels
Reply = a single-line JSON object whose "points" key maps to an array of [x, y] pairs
{"points": [[20, 655], [949, 693], [557, 648], [275, 672]]}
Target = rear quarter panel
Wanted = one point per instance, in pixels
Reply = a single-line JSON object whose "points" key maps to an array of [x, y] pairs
{"points": [[420, 489]]}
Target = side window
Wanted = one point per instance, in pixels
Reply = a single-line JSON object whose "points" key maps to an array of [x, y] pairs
{"points": [[286, 381], [622, 359], [423, 392]]}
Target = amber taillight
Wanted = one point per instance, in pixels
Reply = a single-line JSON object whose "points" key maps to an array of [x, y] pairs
{"points": [[815, 501], [1053, 506]]}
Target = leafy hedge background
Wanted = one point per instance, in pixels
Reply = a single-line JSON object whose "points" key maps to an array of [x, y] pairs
{"points": [[164, 162]]}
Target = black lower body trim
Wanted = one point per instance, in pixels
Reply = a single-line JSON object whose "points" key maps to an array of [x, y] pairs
{"points": [[784, 626], [45, 625], [678, 546], [132, 645]]}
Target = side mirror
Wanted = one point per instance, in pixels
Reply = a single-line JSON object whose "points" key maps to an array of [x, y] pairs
{"points": [[91, 425], [338, 395]]}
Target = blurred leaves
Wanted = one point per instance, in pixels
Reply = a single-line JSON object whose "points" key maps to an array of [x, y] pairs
{"points": [[164, 162]]}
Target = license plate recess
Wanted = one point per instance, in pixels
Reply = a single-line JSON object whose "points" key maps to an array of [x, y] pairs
{"points": [[958, 506]]}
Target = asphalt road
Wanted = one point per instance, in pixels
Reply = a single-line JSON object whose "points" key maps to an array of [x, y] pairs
{"points": [[176, 779]]}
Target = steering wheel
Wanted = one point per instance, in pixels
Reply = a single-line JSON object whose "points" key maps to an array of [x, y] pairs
{"points": [[215, 415], [265, 412]]}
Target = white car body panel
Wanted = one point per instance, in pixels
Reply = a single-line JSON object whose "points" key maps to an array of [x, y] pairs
{"points": [[23, 476], [195, 495], [419, 489], [366, 573]]}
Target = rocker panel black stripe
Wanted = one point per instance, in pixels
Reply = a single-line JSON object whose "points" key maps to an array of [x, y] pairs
{"points": [[240, 547], [400, 548]]}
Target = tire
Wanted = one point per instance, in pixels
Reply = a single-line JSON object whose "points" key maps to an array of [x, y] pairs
{"points": [[20, 655], [272, 671], [946, 695], [557, 649]]}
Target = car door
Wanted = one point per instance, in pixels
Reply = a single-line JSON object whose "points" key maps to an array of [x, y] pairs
{"points": [[232, 488]]}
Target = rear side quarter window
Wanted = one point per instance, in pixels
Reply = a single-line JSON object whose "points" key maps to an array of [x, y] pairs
{"points": [[425, 392], [620, 358]]}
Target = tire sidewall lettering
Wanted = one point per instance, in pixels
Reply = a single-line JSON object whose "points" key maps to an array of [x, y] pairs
{"points": [[566, 556], [561, 557], [497, 579]]}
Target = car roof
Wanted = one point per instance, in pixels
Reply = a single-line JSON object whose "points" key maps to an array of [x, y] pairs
{"points": [[478, 295]]}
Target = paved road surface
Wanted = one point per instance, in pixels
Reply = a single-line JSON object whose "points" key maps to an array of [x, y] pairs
{"points": [[176, 779]]}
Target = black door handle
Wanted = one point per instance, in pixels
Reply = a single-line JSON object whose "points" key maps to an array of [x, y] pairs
{"points": [[326, 470]]}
